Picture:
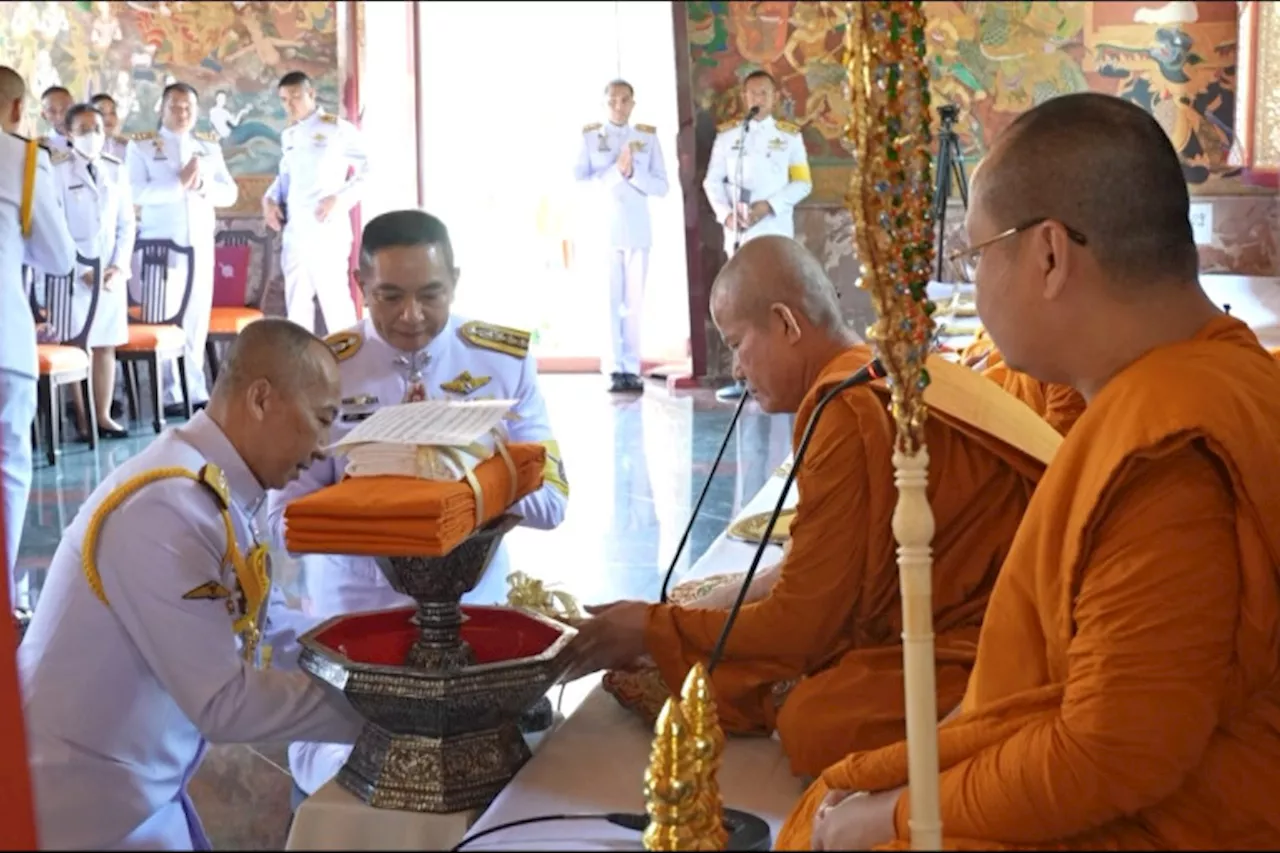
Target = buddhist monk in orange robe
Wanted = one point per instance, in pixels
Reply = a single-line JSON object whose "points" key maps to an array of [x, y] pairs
{"points": [[829, 618], [1127, 688], [1060, 405]]}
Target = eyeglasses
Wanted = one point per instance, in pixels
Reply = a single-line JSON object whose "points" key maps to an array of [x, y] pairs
{"points": [[966, 260]]}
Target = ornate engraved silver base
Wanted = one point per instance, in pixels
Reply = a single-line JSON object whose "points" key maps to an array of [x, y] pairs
{"points": [[442, 731], [447, 774]]}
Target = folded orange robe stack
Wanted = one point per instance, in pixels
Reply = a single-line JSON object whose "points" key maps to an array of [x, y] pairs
{"points": [[408, 516]]}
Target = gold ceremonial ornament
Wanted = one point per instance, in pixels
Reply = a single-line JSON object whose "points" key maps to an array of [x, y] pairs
{"points": [[891, 201]]}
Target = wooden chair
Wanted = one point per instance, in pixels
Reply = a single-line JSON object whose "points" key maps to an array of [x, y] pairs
{"points": [[232, 310], [67, 361], [156, 339]]}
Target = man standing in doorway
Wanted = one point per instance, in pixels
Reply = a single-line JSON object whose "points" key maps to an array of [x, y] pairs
{"points": [[759, 172], [626, 163], [178, 178], [322, 167]]}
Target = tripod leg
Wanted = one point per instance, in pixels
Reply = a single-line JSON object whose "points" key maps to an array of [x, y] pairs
{"points": [[941, 196], [962, 180]]}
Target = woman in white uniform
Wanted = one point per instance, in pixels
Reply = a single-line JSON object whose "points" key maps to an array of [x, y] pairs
{"points": [[99, 206]]}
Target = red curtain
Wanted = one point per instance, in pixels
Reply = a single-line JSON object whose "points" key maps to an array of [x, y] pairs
{"points": [[1257, 97], [17, 813]]}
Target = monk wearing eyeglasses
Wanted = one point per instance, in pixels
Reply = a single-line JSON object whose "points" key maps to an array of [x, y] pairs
{"points": [[1126, 693]]}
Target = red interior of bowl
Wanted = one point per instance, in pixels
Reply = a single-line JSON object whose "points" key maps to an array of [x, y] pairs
{"points": [[495, 633]]}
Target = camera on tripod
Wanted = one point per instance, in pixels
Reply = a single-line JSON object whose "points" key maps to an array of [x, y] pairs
{"points": [[949, 170]]}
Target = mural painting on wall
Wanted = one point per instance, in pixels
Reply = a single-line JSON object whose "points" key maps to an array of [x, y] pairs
{"points": [[994, 60], [233, 53]]}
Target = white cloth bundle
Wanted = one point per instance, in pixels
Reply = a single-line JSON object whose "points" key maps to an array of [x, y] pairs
{"points": [[429, 462]]}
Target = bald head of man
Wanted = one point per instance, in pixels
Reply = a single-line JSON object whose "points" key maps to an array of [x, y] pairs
{"points": [[13, 94], [276, 398], [1085, 257], [778, 313]]}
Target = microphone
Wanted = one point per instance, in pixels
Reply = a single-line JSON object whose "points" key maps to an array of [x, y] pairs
{"points": [[751, 113], [867, 373], [697, 507]]}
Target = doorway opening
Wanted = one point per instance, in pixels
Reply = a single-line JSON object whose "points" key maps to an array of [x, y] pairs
{"points": [[502, 130]]}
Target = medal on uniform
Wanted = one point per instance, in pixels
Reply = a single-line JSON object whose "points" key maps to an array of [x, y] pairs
{"points": [[604, 143], [412, 366]]}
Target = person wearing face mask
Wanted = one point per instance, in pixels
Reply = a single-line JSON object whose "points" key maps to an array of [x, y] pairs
{"points": [[99, 206], [626, 163], [179, 178], [410, 348], [145, 647], [758, 173]]}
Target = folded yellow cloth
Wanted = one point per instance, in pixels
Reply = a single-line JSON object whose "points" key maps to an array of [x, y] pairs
{"points": [[407, 516]]}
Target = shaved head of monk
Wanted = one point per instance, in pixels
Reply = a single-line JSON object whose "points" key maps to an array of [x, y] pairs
{"points": [[778, 313], [13, 92], [1086, 259], [276, 397]]}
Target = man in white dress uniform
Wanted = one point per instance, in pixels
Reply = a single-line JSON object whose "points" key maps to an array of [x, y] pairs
{"points": [[411, 347], [625, 165], [322, 170], [758, 173], [146, 645], [179, 178], [55, 101], [33, 230], [99, 205]]}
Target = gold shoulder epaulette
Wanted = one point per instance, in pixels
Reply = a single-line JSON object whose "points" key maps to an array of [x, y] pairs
{"points": [[787, 126], [594, 126], [329, 118], [58, 156], [142, 135], [111, 158], [343, 345], [215, 480], [646, 128], [726, 125], [206, 136], [513, 342]]}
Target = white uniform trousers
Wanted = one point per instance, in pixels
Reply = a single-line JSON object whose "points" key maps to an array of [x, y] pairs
{"points": [[17, 411], [195, 323], [627, 271], [316, 264]]}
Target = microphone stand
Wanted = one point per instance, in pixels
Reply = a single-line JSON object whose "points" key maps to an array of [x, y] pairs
{"points": [[737, 178], [869, 373], [697, 507]]}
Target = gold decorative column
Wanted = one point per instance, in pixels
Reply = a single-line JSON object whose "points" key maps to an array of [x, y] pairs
{"points": [[891, 199]]}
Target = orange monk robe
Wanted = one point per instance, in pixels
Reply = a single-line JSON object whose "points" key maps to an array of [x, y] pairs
{"points": [[1060, 405], [834, 614], [1127, 689]]}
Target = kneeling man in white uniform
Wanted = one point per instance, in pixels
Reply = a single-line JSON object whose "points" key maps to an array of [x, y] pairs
{"points": [[146, 644]]}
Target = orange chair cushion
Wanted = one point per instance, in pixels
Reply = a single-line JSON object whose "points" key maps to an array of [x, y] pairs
{"points": [[55, 358], [231, 321], [145, 337]]}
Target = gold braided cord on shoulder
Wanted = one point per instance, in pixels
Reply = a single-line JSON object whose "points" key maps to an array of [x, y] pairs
{"points": [[251, 572]]}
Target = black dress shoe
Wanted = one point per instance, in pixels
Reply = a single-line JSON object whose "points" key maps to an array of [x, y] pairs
{"points": [[617, 383], [633, 382], [110, 432]]}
